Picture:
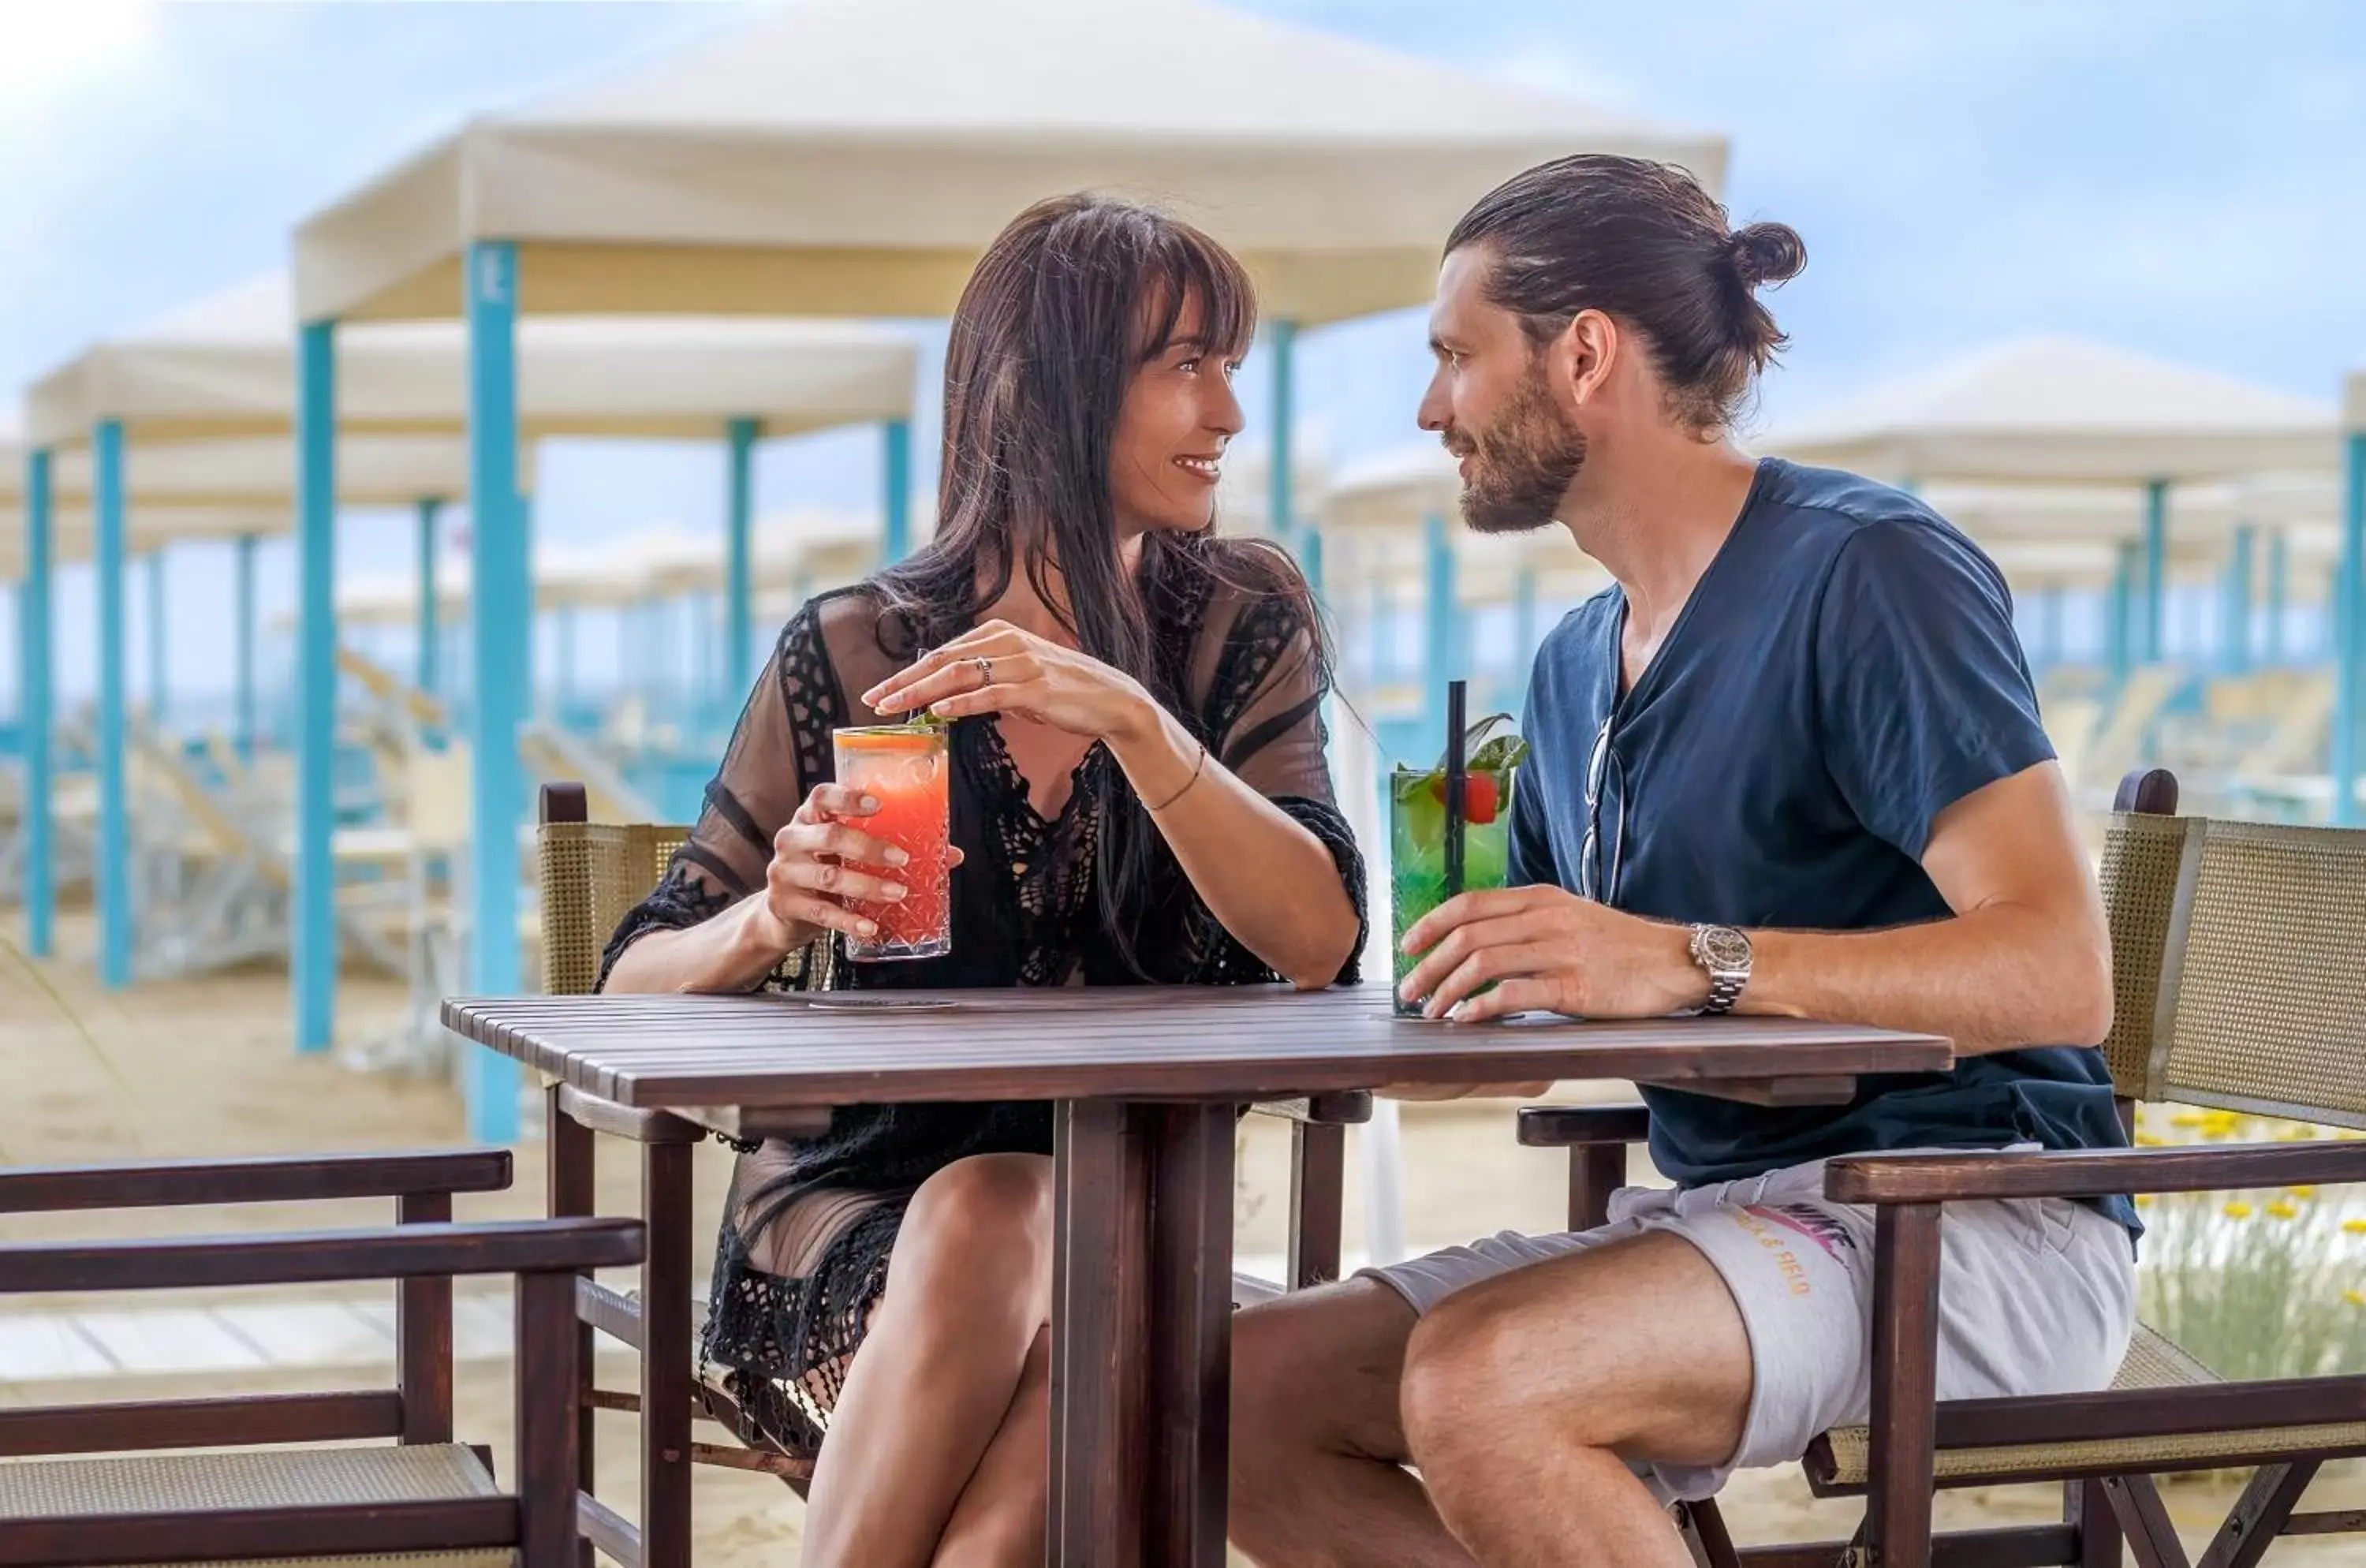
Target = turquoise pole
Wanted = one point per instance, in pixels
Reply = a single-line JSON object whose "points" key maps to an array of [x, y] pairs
{"points": [[1375, 635], [1281, 489], [2155, 569], [2234, 620], [1523, 629], [739, 574], [2271, 639], [114, 808], [2350, 594], [2118, 635], [895, 439], [41, 869], [501, 624], [1440, 660], [248, 741], [159, 655], [314, 955], [431, 615]]}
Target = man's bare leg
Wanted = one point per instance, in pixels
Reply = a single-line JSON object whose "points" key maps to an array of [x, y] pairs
{"points": [[1526, 1396], [1520, 1399], [1318, 1477]]}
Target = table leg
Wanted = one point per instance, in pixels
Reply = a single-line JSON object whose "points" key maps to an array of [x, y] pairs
{"points": [[665, 1357], [1141, 1335]]}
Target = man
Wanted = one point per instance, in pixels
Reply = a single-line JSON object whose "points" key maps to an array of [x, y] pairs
{"points": [[1790, 764]]}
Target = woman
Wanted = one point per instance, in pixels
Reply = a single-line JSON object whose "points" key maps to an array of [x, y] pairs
{"points": [[1139, 796]]}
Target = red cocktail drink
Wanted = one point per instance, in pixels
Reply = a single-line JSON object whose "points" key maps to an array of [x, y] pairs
{"points": [[906, 768]]}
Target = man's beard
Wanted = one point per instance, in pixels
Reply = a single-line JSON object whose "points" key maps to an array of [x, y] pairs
{"points": [[1522, 465]]}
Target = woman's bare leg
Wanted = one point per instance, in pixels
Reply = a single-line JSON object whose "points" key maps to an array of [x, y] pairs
{"points": [[969, 1289], [999, 1523]]}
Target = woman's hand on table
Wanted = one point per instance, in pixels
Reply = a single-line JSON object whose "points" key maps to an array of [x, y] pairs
{"points": [[1546, 949], [821, 859], [997, 668]]}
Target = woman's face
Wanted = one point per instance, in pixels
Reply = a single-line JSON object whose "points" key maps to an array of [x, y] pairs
{"points": [[1171, 431]]}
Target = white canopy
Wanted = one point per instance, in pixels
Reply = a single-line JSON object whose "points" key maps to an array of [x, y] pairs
{"points": [[852, 157], [2353, 404], [2210, 512], [226, 366], [2060, 410]]}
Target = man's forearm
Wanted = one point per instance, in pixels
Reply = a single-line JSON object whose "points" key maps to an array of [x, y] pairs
{"points": [[1990, 979]]}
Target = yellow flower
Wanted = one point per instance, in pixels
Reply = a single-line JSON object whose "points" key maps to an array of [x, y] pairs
{"points": [[2188, 1118], [2238, 1210], [2355, 1227], [2149, 1140], [2144, 1200], [2302, 1191], [2300, 1132], [2282, 1209], [2355, 1298]]}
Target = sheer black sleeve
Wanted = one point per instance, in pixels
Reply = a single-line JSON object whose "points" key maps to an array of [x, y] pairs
{"points": [[779, 750], [1264, 722]]}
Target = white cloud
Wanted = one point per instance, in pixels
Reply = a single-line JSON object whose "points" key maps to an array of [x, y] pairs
{"points": [[55, 50]]}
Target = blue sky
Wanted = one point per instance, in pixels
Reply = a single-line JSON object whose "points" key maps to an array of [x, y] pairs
{"points": [[2183, 178]]}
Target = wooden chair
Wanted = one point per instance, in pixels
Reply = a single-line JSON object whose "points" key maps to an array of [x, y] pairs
{"points": [[591, 874], [2236, 967], [425, 1497]]}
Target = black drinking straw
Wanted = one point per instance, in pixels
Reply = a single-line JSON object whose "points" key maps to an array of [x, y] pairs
{"points": [[1456, 772]]}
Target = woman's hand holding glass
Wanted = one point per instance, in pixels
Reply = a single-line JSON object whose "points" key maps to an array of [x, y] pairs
{"points": [[997, 668], [821, 859]]}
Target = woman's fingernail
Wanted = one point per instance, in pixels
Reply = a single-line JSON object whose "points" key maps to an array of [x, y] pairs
{"points": [[869, 929], [869, 803], [897, 856], [893, 890]]}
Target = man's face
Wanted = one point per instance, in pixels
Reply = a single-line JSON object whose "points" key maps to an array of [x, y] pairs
{"points": [[1492, 402]]}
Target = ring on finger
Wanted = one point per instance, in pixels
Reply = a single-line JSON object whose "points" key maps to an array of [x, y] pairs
{"points": [[984, 670]]}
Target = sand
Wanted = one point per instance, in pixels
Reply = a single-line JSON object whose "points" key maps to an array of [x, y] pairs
{"points": [[206, 1068]]}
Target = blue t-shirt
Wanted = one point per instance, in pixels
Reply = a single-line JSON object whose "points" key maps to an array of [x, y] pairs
{"points": [[1845, 670]]}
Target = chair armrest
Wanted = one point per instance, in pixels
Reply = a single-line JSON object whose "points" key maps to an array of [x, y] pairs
{"points": [[1347, 1108], [2090, 1173], [406, 1252], [152, 1184], [1561, 1126]]}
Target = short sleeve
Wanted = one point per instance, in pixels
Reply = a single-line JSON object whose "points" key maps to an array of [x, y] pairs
{"points": [[1922, 694], [779, 750]]}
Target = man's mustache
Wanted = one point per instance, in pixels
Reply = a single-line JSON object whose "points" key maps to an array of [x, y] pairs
{"points": [[1457, 444]]}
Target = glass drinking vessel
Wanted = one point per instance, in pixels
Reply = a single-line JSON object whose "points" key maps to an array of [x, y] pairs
{"points": [[1417, 847], [907, 768]]}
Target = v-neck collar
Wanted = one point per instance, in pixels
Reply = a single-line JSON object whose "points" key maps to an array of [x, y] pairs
{"points": [[1624, 700]]}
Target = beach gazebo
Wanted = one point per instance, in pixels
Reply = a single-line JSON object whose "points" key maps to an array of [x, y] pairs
{"points": [[2063, 412], [227, 370], [852, 157], [2349, 597]]}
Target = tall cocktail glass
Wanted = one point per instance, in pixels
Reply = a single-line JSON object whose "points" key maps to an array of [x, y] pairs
{"points": [[1417, 847], [907, 768]]}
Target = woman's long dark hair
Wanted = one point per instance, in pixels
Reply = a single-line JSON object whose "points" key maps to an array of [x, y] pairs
{"points": [[1064, 309]]}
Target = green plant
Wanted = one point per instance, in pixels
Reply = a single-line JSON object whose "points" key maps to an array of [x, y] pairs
{"points": [[2253, 1284]]}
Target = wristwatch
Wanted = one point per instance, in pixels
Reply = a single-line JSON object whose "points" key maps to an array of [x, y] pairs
{"points": [[1723, 954]]}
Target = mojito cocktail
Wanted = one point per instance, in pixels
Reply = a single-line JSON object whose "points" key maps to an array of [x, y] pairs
{"points": [[1417, 847], [909, 770]]}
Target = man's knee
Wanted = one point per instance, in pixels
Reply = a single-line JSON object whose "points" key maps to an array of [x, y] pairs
{"points": [[1316, 1369]]}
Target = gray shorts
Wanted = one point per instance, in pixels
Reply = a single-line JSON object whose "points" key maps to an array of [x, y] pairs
{"points": [[2035, 1296]]}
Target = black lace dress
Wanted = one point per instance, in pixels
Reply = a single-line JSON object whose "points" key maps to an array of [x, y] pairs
{"points": [[803, 1252]]}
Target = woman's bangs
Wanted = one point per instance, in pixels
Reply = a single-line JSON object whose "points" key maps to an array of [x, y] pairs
{"points": [[1196, 282]]}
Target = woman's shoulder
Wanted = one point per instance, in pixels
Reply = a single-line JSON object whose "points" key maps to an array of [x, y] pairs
{"points": [[1249, 588]]}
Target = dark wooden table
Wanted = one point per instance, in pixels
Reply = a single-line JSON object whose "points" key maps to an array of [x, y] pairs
{"points": [[1146, 1082]]}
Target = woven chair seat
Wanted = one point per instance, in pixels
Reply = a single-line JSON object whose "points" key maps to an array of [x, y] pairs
{"points": [[287, 1478], [2153, 1361]]}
